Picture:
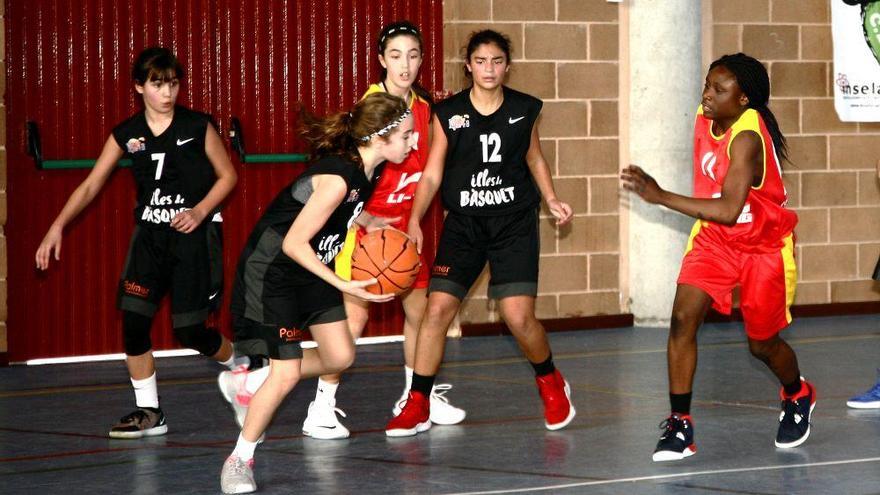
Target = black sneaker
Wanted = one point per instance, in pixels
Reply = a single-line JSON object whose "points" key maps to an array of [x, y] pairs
{"points": [[142, 422], [677, 441], [794, 419]]}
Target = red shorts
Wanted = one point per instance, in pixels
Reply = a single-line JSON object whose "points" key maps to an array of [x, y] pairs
{"points": [[767, 281]]}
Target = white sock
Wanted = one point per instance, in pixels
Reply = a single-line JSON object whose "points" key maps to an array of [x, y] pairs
{"points": [[409, 372], [229, 363], [146, 391], [255, 379], [240, 361], [326, 390], [244, 450]]}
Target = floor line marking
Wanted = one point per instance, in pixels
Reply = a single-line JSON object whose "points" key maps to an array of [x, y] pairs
{"points": [[671, 476]]}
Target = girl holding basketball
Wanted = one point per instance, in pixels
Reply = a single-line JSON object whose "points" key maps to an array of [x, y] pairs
{"points": [[486, 160], [400, 54], [743, 236], [176, 244], [283, 285]]}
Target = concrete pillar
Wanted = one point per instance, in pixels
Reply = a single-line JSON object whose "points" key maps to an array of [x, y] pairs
{"points": [[665, 83]]}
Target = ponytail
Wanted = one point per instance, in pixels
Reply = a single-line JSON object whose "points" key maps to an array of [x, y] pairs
{"points": [[340, 134], [330, 135]]}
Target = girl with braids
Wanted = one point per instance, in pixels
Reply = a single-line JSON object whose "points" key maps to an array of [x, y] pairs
{"points": [[400, 55], [283, 285], [743, 236]]}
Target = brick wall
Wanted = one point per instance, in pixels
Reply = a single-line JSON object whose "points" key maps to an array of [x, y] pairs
{"points": [[566, 53], [3, 266], [832, 182]]}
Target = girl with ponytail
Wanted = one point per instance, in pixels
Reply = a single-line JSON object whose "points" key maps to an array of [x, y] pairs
{"points": [[400, 55], [743, 236], [283, 285]]}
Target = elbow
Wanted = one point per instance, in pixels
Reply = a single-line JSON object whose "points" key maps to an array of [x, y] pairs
{"points": [[232, 178], [728, 218], [288, 248]]}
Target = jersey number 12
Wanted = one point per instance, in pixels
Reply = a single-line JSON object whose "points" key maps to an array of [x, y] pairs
{"points": [[493, 140]]}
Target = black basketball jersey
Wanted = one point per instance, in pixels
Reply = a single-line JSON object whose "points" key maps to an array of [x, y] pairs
{"points": [[264, 243], [171, 170], [486, 171]]}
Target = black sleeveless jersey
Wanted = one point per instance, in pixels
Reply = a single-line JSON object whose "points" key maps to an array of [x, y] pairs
{"points": [[264, 243], [171, 170], [486, 172]]}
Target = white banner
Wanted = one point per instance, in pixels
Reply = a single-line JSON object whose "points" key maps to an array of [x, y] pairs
{"points": [[855, 29]]}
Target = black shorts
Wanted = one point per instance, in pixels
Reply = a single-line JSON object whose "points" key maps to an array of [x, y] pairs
{"points": [[190, 265], [254, 338], [510, 243], [274, 301]]}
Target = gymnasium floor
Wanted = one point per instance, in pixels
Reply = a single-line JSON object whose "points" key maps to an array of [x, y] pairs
{"points": [[53, 423]]}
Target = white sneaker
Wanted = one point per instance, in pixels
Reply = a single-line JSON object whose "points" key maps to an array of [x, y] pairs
{"points": [[442, 412], [231, 385], [322, 423], [237, 476]]}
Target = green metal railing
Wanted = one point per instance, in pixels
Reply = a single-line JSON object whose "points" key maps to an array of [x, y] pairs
{"points": [[236, 138]]}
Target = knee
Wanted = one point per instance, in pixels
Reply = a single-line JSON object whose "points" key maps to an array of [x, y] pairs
{"points": [[683, 324], [136, 333], [339, 360], [519, 322], [200, 338], [285, 375], [438, 312], [763, 349]]}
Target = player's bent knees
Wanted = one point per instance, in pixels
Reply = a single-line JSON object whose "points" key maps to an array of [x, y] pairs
{"points": [[136, 333], [438, 312], [683, 324], [339, 359], [764, 349], [285, 374], [519, 321], [200, 338]]}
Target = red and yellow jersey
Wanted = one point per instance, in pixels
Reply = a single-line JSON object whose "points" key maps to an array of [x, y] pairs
{"points": [[764, 221], [393, 195]]}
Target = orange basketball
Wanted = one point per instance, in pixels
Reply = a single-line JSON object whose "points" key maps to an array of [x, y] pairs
{"points": [[390, 257]]}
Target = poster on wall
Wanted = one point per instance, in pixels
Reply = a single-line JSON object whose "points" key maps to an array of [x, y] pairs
{"points": [[855, 30]]}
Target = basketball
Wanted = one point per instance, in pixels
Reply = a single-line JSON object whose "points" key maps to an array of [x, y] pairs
{"points": [[390, 257]]}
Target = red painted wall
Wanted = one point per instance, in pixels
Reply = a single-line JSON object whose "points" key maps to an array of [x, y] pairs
{"points": [[68, 66]]}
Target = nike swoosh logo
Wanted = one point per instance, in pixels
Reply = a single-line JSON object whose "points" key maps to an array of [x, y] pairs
{"points": [[181, 143], [212, 296], [514, 121]]}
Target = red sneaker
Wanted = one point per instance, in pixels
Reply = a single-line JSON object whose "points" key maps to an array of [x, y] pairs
{"points": [[556, 394], [413, 419]]}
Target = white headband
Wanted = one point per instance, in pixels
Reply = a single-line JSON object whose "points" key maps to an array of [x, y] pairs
{"points": [[389, 127]]}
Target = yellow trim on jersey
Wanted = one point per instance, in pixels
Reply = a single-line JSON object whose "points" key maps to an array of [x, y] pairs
{"points": [[698, 225], [711, 132], [343, 259], [790, 267], [380, 88], [748, 121]]}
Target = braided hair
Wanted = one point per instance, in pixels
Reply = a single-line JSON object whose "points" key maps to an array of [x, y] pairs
{"points": [[752, 78]]}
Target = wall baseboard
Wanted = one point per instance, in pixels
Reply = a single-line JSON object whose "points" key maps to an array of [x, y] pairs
{"points": [[552, 325]]}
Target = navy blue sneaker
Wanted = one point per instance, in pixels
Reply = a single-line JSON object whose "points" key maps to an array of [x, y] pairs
{"points": [[869, 399], [677, 441], [794, 419]]}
